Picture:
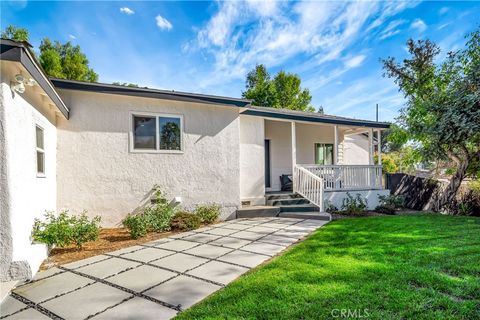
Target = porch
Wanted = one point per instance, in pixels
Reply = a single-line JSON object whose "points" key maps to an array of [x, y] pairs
{"points": [[323, 161]]}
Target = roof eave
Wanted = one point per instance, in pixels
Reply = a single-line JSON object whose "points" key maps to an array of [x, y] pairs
{"points": [[20, 52], [316, 119]]}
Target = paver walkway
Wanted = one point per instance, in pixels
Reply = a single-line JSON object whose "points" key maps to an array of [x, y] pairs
{"points": [[158, 279]]}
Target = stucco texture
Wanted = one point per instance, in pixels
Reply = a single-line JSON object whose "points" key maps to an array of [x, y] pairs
{"points": [[25, 196], [98, 172], [252, 161]]}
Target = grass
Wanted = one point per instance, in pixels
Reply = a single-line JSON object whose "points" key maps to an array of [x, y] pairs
{"points": [[398, 267]]}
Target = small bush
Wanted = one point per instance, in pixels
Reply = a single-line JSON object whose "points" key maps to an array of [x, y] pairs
{"points": [[354, 205], [137, 225], [185, 221], [63, 230], [330, 208], [208, 213], [388, 204], [158, 217]]}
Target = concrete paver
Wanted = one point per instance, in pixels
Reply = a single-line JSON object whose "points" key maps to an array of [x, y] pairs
{"points": [[184, 291], [218, 272], [86, 301], [108, 267], [179, 262], [137, 308], [141, 278], [44, 289], [158, 278]]}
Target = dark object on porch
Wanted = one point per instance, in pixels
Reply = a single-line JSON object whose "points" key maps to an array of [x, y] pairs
{"points": [[286, 182]]}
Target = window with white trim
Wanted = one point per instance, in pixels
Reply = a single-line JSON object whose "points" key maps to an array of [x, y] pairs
{"points": [[40, 148], [157, 132]]}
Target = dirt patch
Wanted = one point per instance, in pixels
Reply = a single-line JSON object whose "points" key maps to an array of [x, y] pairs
{"points": [[110, 239]]}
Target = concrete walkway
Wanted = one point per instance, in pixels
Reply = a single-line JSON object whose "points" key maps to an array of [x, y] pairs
{"points": [[158, 279]]}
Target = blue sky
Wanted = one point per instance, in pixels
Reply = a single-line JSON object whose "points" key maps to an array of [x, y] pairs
{"points": [[208, 47]]}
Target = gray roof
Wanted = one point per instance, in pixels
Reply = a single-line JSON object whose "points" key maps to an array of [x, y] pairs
{"points": [[20, 52], [287, 114], [148, 92]]}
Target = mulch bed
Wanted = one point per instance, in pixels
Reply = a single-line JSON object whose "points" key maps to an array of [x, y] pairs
{"points": [[109, 239]]}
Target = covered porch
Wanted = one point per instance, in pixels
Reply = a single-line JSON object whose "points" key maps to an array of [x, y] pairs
{"points": [[323, 161]]}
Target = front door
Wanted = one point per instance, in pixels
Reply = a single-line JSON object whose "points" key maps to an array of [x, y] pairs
{"points": [[267, 163]]}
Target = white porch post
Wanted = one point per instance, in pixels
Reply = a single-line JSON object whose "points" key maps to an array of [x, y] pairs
{"points": [[335, 145], [370, 147], [294, 148], [379, 146]]}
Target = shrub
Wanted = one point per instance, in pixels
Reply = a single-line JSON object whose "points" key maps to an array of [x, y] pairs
{"points": [[330, 208], [389, 203], [158, 217], [136, 224], [208, 213], [64, 230], [354, 205], [185, 221]]}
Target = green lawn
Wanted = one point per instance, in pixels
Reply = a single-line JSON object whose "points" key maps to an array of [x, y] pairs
{"points": [[396, 267]]}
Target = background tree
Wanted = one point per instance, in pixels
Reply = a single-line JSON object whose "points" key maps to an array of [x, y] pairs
{"points": [[283, 91], [15, 33], [65, 61], [125, 84], [259, 87], [442, 113]]}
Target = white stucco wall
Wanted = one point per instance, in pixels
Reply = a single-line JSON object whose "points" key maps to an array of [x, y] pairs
{"points": [[336, 197], [355, 149], [98, 173], [28, 196], [252, 161]]}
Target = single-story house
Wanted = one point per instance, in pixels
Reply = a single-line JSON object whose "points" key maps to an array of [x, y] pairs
{"points": [[101, 148]]}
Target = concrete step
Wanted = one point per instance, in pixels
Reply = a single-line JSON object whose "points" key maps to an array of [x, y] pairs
{"points": [[282, 195], [258, 211], [314, 215], [282, 202], [298, 208]]}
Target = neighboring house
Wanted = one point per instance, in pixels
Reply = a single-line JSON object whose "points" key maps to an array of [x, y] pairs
{"points": [[101, 148]]}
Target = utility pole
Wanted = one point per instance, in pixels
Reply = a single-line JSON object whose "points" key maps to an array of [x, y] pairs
{"points": [[376, 113]]}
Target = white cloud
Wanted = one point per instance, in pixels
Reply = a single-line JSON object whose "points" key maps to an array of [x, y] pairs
{"points": [[163, 23], [419, 25], [355, 61], [241, 34], [127, 11], [391, 29], [443, 10], [71, 36]]}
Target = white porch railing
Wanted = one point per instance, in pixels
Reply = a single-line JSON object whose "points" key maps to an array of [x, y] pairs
{"points": [[308, 185], [348, 177]]}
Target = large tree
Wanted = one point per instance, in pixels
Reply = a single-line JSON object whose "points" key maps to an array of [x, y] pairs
{"points": [[283, 91], [442, 112], [64, 61]]}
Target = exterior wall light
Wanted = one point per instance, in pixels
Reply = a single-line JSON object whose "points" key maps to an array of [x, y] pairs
{"points": [[18, 85]]}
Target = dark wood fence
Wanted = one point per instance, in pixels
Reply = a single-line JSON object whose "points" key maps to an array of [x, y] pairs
{"points": [[417, 191]]}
